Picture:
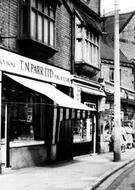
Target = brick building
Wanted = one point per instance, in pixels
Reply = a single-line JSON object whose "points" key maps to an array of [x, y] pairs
{"points": [[50, 92]]}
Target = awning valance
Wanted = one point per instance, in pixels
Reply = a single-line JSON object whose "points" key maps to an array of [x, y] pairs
{"points": [[93, 91], [51, 92]]}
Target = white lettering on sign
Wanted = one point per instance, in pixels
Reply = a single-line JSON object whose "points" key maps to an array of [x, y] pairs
{"points": [[91, 105], [21, 65]]}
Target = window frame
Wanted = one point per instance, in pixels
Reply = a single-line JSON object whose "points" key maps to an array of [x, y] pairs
{"points": [[111, 74], [29, 8], [83, 41]]}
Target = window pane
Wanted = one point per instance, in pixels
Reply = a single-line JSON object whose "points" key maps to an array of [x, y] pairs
{"points": [[78, 50], [33, 3], [51, 12], [46, 8], [85, 50], [97, 57], [78, 32], [111, 75], [39, 27], [51, 33], [40, 5], [46, 30], [89, 53], [33, 24]]}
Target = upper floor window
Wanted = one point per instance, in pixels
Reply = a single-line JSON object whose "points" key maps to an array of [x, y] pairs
{"points": [[86, 44], [38, 20], [111, 75]]}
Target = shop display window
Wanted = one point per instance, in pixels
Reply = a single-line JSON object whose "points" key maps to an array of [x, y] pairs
{"points": [[21, 123], [23, 113], [82, 130]]}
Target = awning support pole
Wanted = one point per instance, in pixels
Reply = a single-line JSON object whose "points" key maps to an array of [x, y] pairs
{"points": [[6, 136], [0, 122]]}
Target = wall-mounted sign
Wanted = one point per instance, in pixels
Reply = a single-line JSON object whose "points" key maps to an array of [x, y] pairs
{"points": [[14, 63], [91, 105]]}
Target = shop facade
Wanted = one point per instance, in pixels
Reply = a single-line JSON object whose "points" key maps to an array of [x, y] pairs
{"points": [[87, 139], [34, 111], [59, 41]]}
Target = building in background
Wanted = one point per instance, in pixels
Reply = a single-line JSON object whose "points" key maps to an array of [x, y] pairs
{"points": [[86, 74], [127, 66]]}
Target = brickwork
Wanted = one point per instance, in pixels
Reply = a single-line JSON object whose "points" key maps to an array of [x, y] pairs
{"points": [[63, 38], [8, 23]]}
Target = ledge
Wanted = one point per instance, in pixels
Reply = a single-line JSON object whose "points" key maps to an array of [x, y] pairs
{"points": [[35, 49], [23, 143], [83, 68]]}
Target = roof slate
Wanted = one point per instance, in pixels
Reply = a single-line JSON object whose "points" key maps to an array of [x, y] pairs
{"points": [[107, 41]]}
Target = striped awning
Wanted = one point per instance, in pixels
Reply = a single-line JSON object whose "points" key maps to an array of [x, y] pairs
{"points": [[60, 98]]}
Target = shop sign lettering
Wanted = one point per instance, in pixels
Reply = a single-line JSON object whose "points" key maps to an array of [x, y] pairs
{"points": [[21, 65], [91, 105]]}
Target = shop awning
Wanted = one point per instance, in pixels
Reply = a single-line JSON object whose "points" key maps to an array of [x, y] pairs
{"points": [[93, 91], [51, 92]]}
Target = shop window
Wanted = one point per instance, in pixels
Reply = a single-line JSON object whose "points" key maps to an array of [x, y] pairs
{"points": [[37, 20], [86, 44], [26, 113], [82, 130], [21, 125]]}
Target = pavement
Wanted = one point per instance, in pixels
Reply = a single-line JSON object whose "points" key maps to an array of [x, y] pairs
{"points": [[82, 173]]}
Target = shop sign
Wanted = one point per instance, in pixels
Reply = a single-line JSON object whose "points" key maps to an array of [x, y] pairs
{"points": [[14, 63], [77, 93], [91, 105]]}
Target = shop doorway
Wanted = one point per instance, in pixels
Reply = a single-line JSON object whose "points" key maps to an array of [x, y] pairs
{"points": [[84, 136]]}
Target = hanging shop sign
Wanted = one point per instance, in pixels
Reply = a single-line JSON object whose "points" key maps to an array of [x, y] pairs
{"points": [[14, 63]]}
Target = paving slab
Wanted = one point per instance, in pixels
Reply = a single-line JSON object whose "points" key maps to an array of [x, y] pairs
{"points": [[82, 173]]}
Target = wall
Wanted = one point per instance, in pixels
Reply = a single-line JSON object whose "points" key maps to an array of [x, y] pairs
{"points": [[63, 39], [127, 78], [28, 156], [95, 5], [8, 23]]}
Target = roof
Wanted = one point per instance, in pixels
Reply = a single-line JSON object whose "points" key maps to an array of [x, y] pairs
{"points": [[107, 49], [89, 21], [108, 22], [107, 42]]}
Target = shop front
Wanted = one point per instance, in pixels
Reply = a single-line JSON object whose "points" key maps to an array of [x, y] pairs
{"points": [[36, 112], [87, 131]]}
